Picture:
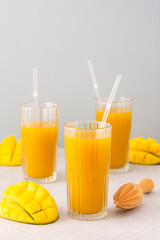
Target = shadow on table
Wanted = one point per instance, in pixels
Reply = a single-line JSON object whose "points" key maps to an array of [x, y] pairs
{"points": [[117, 213], [63, 214], [114, 212]]}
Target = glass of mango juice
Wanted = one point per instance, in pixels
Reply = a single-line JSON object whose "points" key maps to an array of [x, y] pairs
{"points": [[39, 134], [119, 117], [87, 162]]}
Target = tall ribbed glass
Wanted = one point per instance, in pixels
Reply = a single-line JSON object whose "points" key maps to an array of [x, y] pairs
{"points": [[120, 118], [87, 160], [39, 134]]}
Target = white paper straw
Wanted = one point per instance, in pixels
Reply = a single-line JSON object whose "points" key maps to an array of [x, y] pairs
{"points": [[93, 77], [110, 100], [35, 93]]}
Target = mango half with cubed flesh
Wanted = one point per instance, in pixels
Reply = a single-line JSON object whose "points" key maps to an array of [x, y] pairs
{"points": [[10, 152], [144, 151], [28, 203]]}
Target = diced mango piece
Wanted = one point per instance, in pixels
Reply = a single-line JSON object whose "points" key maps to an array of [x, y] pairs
{"points": [[17, 190], [23, 184], [17, 157], [40, 217], [25, 198], [51, 213], [29, 203], [33, 187], [7, 149], [48, 202], [41, 194], [8, 144], [13, 191], [33, 207], [10, 152]]}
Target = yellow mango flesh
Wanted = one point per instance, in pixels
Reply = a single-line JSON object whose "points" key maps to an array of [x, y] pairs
{"points": [[28, 203], [10, 152], [144, 151], [14, 212], [17, 157], [140, 157]]}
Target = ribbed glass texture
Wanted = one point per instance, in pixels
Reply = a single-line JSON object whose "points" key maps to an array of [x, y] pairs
{"points": [[87, 160], [39, 134], [120, 117]]}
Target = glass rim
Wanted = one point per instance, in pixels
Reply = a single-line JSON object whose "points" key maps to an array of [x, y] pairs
{"points": [[30, 105], [104, 100], [107, 126]]}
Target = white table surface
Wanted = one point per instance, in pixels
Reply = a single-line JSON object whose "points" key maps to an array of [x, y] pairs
{"points": [[140, 223]]}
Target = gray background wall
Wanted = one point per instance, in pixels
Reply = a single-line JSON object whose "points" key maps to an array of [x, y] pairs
{"points": [[58, 36]]}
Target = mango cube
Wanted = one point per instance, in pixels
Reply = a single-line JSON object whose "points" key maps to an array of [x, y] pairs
{"points": [[48, 202]]}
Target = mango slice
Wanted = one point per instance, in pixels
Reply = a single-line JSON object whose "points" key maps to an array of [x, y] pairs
{"points": [[144, 151], [28, 203], [10, 152]]}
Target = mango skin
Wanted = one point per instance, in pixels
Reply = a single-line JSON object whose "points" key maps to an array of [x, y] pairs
{"points": [[144, 151], [28, 203], [11, 152]]}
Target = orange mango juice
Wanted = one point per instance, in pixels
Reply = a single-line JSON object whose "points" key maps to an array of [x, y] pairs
{"points": [[39, 143], [120, 119], [87, 158]]}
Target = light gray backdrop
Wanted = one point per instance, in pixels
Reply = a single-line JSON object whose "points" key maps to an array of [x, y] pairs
{"points": [[58, 36]]}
